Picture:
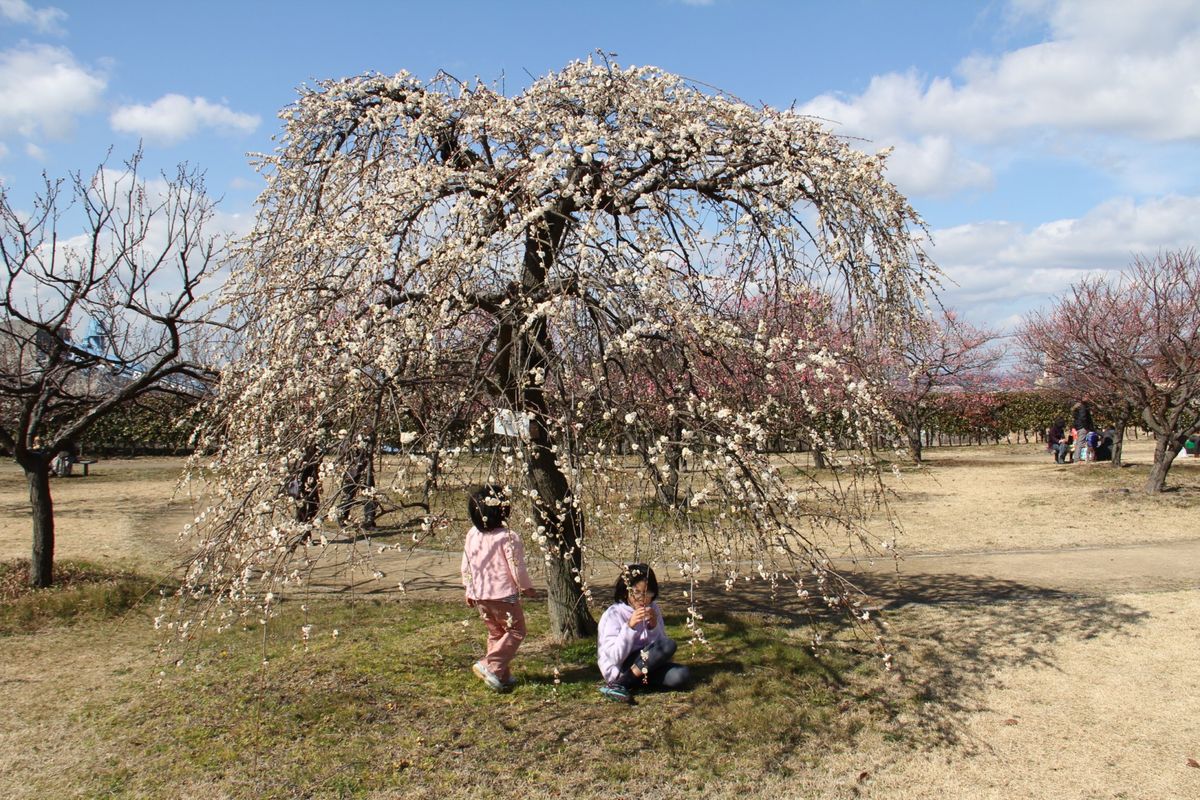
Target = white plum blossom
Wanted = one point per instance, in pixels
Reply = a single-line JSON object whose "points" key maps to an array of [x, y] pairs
{"points": [[555, 291]]}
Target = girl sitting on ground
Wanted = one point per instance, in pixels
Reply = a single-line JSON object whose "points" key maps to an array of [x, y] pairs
{"points": [[495, 578], [634, 651]]}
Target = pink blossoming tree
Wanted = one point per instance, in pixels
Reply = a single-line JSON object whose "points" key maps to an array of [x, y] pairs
{"points": [[1133, 340]]}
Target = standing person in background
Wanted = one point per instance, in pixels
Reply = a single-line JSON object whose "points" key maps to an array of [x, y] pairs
{"points": [[358, 478], [1083, 424], [1066, 447], [305, 485], [495, 578]]}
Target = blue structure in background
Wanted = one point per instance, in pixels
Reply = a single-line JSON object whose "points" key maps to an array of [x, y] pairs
{"points": [[95, 341]]}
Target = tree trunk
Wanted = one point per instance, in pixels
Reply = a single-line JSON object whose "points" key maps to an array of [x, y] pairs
{"points": [[1118, 443], [41, 570], [554, 507], [675, 462], [554, 510], [818, 456], [1165, 450], [666, 483], [432, 474], [914, 443], [556, 513]]}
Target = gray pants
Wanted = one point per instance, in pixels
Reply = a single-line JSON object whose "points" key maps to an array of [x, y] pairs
{"points": [[1080, 443], [658, 671]]}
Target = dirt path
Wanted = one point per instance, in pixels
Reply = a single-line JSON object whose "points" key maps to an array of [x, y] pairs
{"points": [[1048, 698], [126, 513], [1099, 571], [1005, 501], [1121, 569]]}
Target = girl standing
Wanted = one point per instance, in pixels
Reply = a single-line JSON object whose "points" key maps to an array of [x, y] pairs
{"points": [[495, 578]]}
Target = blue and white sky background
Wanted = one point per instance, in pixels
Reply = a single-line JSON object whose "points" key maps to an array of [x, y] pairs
{"points": [[1040, 139]]}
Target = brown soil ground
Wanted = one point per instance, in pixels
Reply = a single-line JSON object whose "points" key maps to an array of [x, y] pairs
{"points": [[1059, 604], [125, 513]]}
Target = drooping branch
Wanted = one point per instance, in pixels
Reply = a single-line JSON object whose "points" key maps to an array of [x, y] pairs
{"points": [[582, 258]]}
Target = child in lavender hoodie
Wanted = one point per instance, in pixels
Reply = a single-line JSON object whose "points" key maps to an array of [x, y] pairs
{"points": [[634, 650], [495, 577]]}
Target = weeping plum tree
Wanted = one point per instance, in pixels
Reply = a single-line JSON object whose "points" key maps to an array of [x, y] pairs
{"points": [[561, 265]]}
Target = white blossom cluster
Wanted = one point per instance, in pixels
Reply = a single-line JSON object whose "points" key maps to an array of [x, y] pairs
{"points": [[605, 259]]}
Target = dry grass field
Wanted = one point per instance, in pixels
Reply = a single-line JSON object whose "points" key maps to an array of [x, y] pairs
{"points": [[1043, 620]]}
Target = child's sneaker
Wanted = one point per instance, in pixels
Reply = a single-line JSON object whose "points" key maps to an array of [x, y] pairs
{"points": [[487, 676], [509, 684], [615, 691]]}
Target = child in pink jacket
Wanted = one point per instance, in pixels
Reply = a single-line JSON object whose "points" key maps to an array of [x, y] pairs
{"points": [[495, 577]]}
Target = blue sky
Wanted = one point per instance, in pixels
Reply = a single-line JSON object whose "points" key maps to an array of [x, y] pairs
{"points": [[1040, 139]]}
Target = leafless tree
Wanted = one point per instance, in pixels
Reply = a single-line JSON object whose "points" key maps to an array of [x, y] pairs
{"points": [[130, 278]]}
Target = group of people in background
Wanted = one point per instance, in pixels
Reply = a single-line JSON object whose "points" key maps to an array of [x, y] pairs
{"points": [[633, 650], [1081, 442]]}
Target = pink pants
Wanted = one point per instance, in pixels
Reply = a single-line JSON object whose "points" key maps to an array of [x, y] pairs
{"points": [[506, 630]]}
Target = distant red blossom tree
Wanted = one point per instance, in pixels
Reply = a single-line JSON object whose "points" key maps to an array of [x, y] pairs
{"points": [[1133, 340], [941, 354]]}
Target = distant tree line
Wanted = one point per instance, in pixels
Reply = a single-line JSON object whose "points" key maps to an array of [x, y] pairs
{"points": [[153, 426]]}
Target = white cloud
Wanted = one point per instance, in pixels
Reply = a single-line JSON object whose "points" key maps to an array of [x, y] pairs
{"points": [[173, 117], [35, 152], [45, 20], [999, 265], [239, 182], [932, 165], [1109, 68], [43, 89]]}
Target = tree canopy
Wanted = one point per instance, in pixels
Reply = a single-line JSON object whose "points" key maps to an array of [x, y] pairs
{"points": [[1132, 342], [578, 258]]}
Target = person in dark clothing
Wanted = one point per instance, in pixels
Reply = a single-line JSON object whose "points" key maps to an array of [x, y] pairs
{"points": [[305, 486], [1055, 435], [1083, 416]]}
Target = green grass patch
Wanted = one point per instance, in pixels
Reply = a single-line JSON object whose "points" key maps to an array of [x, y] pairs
{"points": [[388, 707], [81, 591]]}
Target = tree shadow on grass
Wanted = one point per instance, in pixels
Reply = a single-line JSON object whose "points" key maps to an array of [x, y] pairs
{"points": [[949, 636], [702, 673]]}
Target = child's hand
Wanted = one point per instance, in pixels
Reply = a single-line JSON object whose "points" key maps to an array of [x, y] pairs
{"points": [[470, 603], [639, 616], [531, 593], [651, 618]]}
